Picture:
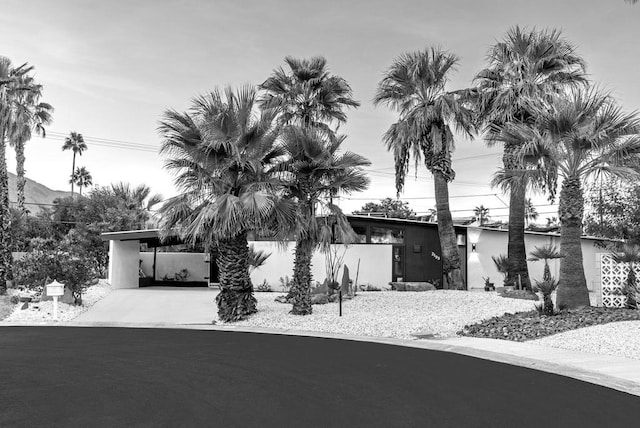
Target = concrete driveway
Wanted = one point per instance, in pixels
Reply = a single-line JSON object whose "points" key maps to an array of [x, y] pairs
{"points": [[172, 305]]}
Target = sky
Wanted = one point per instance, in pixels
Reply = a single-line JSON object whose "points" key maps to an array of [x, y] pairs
{"points": [[111, 69]]}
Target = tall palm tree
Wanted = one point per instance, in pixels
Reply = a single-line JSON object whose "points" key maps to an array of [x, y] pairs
{"points": [[584, 134], [524, 69], [82, 178], [629, 254], [315, 172], [481, 213], [138, 199], [414, 86], [530, 212], [11, 89], [74, 142], [30, 115], [308, 95], [222, 153]]}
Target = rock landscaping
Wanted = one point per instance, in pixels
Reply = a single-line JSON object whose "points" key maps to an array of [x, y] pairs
{"points": [[531, 325]]}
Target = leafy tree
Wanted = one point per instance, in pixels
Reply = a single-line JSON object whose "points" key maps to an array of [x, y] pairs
{"points": [[317, 170], [393, 208], [482, 214], [524, 70], [223, 153], [613, 210], [414, 86], [75, 143], [583, 134], [82, 178]]}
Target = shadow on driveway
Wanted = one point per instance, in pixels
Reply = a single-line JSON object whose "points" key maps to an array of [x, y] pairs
{"points": [[105, 377]]}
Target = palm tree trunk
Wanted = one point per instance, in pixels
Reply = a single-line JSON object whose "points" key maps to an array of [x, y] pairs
{"points": [[236, 300], [572, 289], [518, 271], [301, 288], [5, 219], [21, 180], [451, 269], [73, 168]]}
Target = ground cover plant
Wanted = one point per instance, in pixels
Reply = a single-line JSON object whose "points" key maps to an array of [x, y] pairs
{"points": [[522, 326]]}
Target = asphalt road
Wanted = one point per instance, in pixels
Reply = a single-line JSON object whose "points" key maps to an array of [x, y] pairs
{"points": [[111, 377]]}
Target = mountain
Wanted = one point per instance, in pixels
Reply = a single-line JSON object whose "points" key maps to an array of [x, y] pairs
{"points": [[37, 195]]}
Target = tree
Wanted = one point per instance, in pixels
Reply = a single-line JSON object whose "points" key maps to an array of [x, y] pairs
{"points": [[307, 95], [30, 115], [393, 208], [530, 212], [524, 70], [82, 178], [629, 254], [74, 142], [310, 98], [546, 253], [414, 86], [137, 199], [482, 214], [583, 133], [613, 210], [222, 153], [10, 95], [317, 171]]}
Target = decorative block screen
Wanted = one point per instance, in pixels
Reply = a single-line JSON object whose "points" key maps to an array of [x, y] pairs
{"points": [[612, 276]]}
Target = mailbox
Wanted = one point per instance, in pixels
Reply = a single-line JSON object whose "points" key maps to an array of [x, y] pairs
{"points": [[55, 289]]}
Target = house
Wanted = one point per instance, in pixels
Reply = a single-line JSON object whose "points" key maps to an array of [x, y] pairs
{"points": [[386, 250]]}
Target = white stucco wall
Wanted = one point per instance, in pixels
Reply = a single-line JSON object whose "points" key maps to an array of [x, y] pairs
{"points": [[170, 263], [494, 243], [375, 264], [123, 263]]}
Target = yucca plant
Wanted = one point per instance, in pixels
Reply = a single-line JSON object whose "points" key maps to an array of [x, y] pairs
{"points": [[630, 254]]}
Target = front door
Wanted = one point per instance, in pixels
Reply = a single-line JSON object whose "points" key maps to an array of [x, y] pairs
{"points": [[397, 271]]}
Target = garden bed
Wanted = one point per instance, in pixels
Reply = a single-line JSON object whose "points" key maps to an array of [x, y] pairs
{"points": [[530, 325]]}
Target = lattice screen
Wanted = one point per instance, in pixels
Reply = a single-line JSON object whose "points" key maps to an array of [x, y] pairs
{"points": [[612, 276]]}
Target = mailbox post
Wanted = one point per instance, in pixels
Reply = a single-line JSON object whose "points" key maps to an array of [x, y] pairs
{"points": [[55, 290]]}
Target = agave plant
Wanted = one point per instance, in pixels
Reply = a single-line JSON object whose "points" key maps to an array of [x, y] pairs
{"points": [[630, 254]]}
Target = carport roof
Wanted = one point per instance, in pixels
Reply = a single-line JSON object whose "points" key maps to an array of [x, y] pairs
{"points": [[151, 237]]}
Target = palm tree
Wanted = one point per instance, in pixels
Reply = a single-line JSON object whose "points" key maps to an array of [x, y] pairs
{"points": [[530, 212], [30, 115], [584, 134], [74, 142], [316, 172], [524, 69], [414, 86], [308, 95], [82, 178], [138, 199], [546, 253], [10, 94], [481, 213], [629, 254], [222, 152]]}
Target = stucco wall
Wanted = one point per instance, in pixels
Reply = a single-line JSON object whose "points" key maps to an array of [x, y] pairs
{"points": [[170, 263], [494, 243], [375, 264], [123, 263]]}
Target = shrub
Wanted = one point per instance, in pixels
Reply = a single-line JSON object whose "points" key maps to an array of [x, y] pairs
{"points": [[546, 287], [264, 287], [14, 299]]}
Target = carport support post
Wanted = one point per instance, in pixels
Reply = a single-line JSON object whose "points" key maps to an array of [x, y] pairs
{"points": [[155, 254]]}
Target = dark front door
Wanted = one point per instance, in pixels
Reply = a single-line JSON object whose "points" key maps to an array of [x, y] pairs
{"points": [[214, 273], [397, 271]]}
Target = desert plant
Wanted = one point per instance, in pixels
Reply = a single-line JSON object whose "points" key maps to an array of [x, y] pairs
{"points": [[15, 299], [502, 264], [629, 254], [546, 287], [264, 287], [333, 262], [488, 285], [546, 253], [285, 282], [257, 258]]}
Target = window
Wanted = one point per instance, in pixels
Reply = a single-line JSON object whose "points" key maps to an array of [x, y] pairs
{"points": [[361, 234], [383, 235]]}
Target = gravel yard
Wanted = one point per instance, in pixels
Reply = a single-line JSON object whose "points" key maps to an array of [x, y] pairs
{"points": [[42, 311], [389, 313], [621, 339]]}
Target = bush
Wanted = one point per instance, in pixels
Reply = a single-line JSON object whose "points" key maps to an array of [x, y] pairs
{"points": [[264, 287], [65, 262]]}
